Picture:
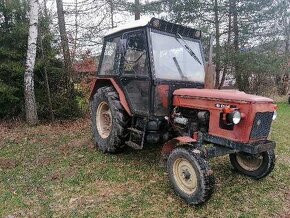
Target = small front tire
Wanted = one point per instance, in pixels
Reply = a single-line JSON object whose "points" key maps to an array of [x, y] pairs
{"points": [[255, 166], [190, 176]]}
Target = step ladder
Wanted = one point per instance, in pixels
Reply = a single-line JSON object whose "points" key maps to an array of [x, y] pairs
{"points": [[136, 140]]}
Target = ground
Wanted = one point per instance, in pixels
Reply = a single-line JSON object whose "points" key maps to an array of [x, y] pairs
{"points": [[54, 171]]}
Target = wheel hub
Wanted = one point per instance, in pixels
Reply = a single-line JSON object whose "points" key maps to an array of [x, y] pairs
{"points": [[185, 175], [250, 163], [104, 120]]}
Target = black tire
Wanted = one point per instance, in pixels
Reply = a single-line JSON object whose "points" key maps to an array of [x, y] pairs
{"points": [[289, 100], [203, 178], [114, 142], [264, 165]]}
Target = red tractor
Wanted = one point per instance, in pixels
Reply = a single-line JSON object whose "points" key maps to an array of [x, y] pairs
{"points": [[150, 89]]}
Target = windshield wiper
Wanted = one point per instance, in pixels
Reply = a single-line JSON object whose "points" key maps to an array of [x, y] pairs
{"points": [[179, 69], [187, 48]]}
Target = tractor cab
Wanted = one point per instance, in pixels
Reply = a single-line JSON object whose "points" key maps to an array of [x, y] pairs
{"points": [[150, 59]]}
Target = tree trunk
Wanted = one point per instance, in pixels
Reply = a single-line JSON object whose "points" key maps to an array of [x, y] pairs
{"points": [[76, 31], [112, 13], [43, 30], [235, 25], [30, 102], [217, 40], [228, 46], [239, 78], [64, 44], [137, 10], [45, 9]]}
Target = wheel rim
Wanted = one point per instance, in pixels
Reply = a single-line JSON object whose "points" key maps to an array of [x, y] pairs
{"points": [[104, 120], [185, 175], [249, 163]]}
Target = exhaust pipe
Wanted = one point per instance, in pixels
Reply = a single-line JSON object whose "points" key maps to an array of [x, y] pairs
{"points": [[209, 80]]}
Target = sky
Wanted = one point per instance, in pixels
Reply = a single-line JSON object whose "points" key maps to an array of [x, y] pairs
{"points": [[89, 36]]}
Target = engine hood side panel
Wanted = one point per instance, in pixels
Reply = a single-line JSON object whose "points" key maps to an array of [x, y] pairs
{"points": [[226, 95]]}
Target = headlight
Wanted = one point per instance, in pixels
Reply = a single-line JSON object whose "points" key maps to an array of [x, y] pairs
{"points": [[234, 117], [275, 114]]}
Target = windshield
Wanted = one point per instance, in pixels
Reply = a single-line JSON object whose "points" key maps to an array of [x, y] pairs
{"points": [[173, 61]]}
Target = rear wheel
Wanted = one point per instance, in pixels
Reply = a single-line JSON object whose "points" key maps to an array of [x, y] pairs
{"points": [[108, 120], [190, 176], [256, 166]]}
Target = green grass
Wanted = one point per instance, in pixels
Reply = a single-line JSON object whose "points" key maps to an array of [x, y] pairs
{"points": [[54, 171]]}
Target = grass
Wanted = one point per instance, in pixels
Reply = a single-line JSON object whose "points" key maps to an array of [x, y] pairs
{"points": [[54, 171]]}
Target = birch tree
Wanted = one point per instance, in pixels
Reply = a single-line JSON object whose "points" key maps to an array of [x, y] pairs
{"points": [[30, 102]]}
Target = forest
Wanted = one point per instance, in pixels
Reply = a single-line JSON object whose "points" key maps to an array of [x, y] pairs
{"points": [[251, 47]]}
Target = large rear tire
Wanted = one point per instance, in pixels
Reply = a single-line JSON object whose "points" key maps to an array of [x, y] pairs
{"points": [[255, 166], [190, 176], [109, 120]]}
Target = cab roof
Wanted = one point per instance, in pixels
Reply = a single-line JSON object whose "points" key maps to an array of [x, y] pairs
{"points": [[133, 24], [157, 24]]}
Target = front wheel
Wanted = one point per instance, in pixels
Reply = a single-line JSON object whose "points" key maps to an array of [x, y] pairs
{"points": [[190, 176], [256, 166]]}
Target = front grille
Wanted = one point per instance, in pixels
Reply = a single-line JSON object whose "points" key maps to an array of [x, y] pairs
{"points": [[262, 125]]}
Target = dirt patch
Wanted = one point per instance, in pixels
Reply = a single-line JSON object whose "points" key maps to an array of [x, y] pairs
{"points": [[58, 175], [43, 161], [106, 191], [7, 163], [80, 143], [75, 144], [286, 208]]}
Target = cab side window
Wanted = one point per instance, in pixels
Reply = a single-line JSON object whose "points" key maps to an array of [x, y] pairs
{"points": [[110, 60], [135, 58]]}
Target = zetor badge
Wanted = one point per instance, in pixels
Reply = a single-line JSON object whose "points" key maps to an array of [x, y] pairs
{"points": [[150, 89]]}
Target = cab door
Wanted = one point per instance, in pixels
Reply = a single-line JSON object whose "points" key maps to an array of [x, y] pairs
{"points": [[135, 77]]}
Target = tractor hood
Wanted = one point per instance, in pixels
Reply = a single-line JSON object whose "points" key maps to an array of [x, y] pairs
{"points": [[228, 95]]}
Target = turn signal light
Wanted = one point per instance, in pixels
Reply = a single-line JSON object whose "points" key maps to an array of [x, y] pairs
{"points": [[228, 110]]}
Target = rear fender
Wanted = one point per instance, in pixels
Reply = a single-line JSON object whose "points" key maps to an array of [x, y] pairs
{"points": [[101, 82]]}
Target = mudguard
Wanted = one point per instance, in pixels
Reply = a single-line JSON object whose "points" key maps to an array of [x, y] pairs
{"points": [[100, 82]]}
